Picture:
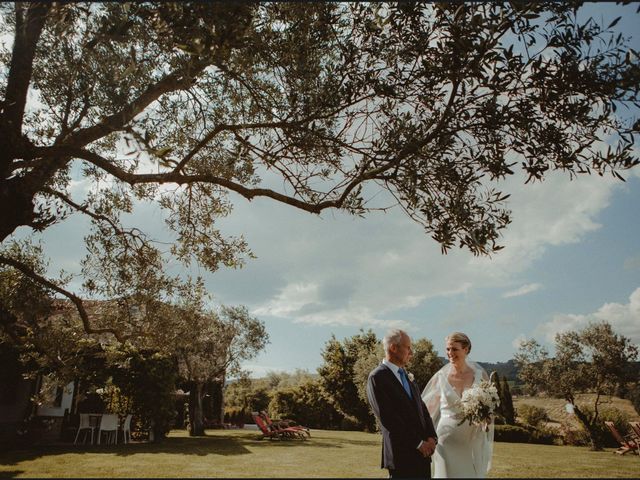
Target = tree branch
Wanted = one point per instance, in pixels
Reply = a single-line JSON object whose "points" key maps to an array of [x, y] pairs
{"points": [[96, 216], [248, 126], [178, 178], [178, 80], [29, 272]]}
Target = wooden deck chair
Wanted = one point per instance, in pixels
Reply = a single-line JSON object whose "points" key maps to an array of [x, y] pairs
{"points": [[285, 423], [627, 444], [635, 433], [279, 433]]}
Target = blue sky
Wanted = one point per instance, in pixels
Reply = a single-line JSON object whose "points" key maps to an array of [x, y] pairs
{"points": [[572, 256]]}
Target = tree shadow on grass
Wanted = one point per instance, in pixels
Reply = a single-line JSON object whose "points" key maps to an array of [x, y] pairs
{"points": [[199, 446], [217, 444], [316, 441], [10, 473]]}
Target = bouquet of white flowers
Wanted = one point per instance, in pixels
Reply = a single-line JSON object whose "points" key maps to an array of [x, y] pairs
{"points": [[478, 404]]}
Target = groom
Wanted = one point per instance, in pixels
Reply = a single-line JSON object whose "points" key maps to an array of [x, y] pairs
{"points": [[408, 436]]}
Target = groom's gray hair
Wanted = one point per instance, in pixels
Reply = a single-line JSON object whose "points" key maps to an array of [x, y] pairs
{"points": [[393, 337]]}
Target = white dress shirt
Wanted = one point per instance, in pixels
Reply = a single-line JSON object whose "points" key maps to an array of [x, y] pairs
{"points": [[395, 369]]}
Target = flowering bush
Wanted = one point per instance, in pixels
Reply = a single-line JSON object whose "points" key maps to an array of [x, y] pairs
{"points": [[478, 404]]}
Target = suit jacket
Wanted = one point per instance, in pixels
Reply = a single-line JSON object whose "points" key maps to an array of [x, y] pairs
{"points": [[404, 421]]}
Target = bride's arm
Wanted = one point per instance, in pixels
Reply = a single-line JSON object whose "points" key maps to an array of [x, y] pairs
{"points": [[431, 397]]}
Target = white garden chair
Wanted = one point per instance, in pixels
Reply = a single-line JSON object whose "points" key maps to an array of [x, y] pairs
{"points": [[126, 429], [85, 424], [109, 425]]}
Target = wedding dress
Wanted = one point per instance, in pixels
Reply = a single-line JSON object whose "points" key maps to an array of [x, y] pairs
{"points": [[463, 450]]}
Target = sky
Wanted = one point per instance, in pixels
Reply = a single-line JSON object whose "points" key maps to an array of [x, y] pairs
{"points": [[571, 256]]}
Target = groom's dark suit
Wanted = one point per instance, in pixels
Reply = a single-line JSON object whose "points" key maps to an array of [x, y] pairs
{"points": [[404, 423]]}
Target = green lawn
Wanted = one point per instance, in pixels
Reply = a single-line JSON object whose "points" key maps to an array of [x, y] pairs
{"points": [[239, 453]]}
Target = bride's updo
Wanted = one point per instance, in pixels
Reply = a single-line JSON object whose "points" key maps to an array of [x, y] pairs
{"points": [[461, 338]]}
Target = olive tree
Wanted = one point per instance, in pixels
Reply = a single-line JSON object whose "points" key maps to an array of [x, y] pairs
{"points": [[224, 341], [209, 344], [593, 360], [341, 377], [205, 344], [307, 104]]}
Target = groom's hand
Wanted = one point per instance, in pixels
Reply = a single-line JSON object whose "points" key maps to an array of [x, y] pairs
{"points": [[428, 447]]}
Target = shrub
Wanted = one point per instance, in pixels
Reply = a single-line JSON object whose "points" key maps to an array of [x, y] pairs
{"points": [[525, 434], [634, 396], [577, 437], [114, 400], [283, 404], [532, 415], [512, 434], [619, 418], [350, 423], [499, 420], [305, 403], [237, 416], [580, 436], [148, 380], [546, 435]]}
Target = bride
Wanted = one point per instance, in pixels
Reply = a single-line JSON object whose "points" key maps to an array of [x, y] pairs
{"points": [[463, 450]]}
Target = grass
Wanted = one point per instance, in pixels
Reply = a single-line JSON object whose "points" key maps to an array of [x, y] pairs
{"points": [[229, 453]]}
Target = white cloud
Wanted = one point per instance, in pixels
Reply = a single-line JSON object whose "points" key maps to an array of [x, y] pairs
{"points": [[553, 212], [292, 298], [386, 263], [518, 340], [523, 290], [301, 303], [624, 318], [356, 317], [80, 188]]}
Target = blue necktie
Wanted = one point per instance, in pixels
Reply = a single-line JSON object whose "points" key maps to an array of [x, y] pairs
{"points": [[405, 381]]}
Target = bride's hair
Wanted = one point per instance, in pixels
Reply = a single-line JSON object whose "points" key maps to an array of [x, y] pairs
{"points": [[460, 338]]}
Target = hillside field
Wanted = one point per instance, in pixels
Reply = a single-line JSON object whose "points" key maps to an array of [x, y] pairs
{"points": [[555, 407]]}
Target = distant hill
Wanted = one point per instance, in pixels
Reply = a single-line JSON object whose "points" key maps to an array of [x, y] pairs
{"points": [[507, 369]]}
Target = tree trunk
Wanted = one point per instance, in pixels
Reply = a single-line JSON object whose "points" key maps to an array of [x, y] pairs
{"points": [[221, 412], [21, 211], [15, 197], [196, 423], [590, 426]]}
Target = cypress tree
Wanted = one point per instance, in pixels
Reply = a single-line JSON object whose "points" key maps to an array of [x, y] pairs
{"points": [[508, 411], [495, 380]]}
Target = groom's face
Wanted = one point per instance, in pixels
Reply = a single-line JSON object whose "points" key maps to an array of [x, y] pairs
{"points": [[402, 352]]}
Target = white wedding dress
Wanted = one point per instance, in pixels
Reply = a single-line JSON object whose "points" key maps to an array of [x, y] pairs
{"points": [[463, 451]]}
